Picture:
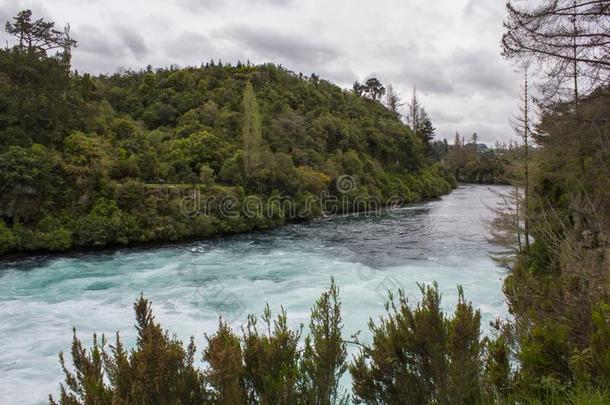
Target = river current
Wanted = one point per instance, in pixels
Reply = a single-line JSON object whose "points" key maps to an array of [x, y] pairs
{"points": [[190, 285]]}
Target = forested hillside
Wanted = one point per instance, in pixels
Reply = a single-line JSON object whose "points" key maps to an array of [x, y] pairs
{"points": [[105, 160]]}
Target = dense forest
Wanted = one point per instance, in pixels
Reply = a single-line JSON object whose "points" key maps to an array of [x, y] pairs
{"points": [[90, 161], [473, 162]]}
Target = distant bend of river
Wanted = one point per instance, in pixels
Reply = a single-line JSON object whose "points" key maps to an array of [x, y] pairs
{"points": [[190, 285]]}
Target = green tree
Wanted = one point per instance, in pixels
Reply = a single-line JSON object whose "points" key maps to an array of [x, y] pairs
{"points": [[157, 371], [426, 130], [37, 102], [271, 360], [419, 355], [225, 372], [206, 175], [251, 132], [358, 88], [374, 88], [38, 36], [324, 355], [7, 239]]}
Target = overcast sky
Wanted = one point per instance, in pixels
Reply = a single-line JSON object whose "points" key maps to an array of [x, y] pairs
{"points": [[448, 49]]}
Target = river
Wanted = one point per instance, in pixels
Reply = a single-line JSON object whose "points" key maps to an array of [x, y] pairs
{"points": [[42, 299]]}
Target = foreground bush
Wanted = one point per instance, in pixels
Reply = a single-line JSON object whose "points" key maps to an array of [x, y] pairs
{"points": [[267, 365], [421, 356], [418, 355]]}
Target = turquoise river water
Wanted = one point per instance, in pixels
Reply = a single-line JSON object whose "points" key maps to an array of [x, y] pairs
{"points": [[190, 285]]}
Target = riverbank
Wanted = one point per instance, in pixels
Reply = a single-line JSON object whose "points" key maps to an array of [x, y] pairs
{"points": [[186, 194]]}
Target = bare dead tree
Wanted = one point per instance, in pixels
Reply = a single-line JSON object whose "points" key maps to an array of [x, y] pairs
{"points": [[569, 40], [526, 132], [414, 108], [393, 100], [521, 126]]}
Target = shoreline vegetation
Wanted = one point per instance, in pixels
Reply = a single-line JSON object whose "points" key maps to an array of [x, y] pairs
{"points": [[112, 160], [11, 257]]}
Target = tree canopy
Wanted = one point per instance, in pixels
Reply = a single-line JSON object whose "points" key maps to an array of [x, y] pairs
{"points": [[110, 159]]}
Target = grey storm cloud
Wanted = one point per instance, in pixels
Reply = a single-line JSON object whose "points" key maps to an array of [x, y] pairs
{"points": [[195, 5], [93, 41], [115, 44], [448, 116], [337, 73], [481, 71], [418, 67], [190, 43], [132, 39], [276, 44], [5, 15], [429, 77]]}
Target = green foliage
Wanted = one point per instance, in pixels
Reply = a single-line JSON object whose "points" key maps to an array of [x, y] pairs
{"points": [[37, 103], [225, 372], [324, 356], [74, 142], [54, 236], [206, 175], [592, 364], [271, 360], [497, 375], [7, 239], [105, 224], [372, 88], [420, 355], [31, 180], [600, 342], [557, 288], [251, 132], [473, 164], [157, 371], [313, 181], [260, 367], [544, 352], [464, 347]]}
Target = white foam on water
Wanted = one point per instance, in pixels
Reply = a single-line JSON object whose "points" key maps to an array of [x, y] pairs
{"points": [[190, 286]]}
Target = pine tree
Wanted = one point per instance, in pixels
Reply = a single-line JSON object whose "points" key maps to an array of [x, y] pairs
{"points": [[374, 88], [324, 356], [251, 132]]}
